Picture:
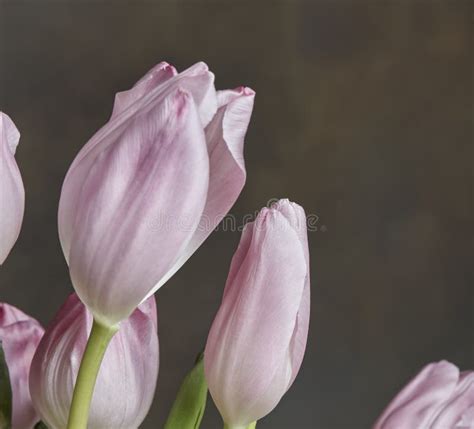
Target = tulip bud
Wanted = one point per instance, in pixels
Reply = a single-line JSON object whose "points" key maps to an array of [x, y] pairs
{"points": [[439, 397], [127, 378], [150, 186], [12, 193], [19, 335], [257, 340]]}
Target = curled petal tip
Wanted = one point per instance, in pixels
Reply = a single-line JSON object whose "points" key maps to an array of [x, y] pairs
{"points": [[162, 67], [199, 67], [165, 65], [281, 202], [285, 203], [244, 90]]}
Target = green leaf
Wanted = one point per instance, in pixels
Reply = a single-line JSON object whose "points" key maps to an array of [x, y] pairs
{"points": [[40, 425], [190, 403], [5, 393]]}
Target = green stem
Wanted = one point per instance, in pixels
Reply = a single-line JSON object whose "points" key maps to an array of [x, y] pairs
{"points": [[99, 339], [250, 426]]}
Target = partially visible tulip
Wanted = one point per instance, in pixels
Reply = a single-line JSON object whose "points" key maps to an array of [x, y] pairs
{"points": [[19, 335], [150, 186], [257, 340], [127, 377], [439, 397], [12, 193]]}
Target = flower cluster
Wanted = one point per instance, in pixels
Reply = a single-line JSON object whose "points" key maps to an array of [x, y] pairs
{"points": [[172, 148]]}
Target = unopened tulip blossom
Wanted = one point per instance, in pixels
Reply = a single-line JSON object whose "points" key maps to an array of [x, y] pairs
{"points": [[12, 193], [127, 378], [257, 340], [150, 186], [439, 397], [19, 336]]}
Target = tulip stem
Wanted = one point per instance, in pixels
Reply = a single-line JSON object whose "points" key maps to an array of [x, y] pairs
{"points": [[250, 426], [97, 344]]}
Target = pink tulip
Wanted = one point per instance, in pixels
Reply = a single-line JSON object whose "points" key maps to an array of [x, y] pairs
{"points": [[150, 186], [12, 193], [258, 338], [439, 397], [127, 378], [19, 335]]}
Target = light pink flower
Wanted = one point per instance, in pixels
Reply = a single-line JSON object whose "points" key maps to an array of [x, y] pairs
{"points": [[12, 193], [127, 378], [257, 340], [439, 397], [150, 186], [20, 335]]}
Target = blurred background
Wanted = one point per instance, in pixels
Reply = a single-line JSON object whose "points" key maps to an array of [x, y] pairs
{"points": [[363, 115]]}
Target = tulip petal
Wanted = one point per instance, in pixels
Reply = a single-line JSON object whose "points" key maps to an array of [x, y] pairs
{"points": [[467, 419], [19, 338], [239, 256], [225, 141], [458, 412], [247, 353], [127, 377], [423, 398], [152, 90], [296, 216], [10, 315], [155, 77], [12, 193], [147, 193]]}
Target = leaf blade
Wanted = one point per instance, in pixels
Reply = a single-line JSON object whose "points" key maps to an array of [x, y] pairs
{"points": [[190, 403]]}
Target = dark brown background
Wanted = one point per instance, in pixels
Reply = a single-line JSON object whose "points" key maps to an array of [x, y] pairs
{"points": [[363, 115]]}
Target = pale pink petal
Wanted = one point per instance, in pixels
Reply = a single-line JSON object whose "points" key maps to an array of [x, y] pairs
{"points": [[155, 77], [296, 216], [140, 205], [20, 335], [467, 419], [458, 411], [225, 141], [10, 314], [239, 256], [12, 193], [127, 378], [422, 399]]}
